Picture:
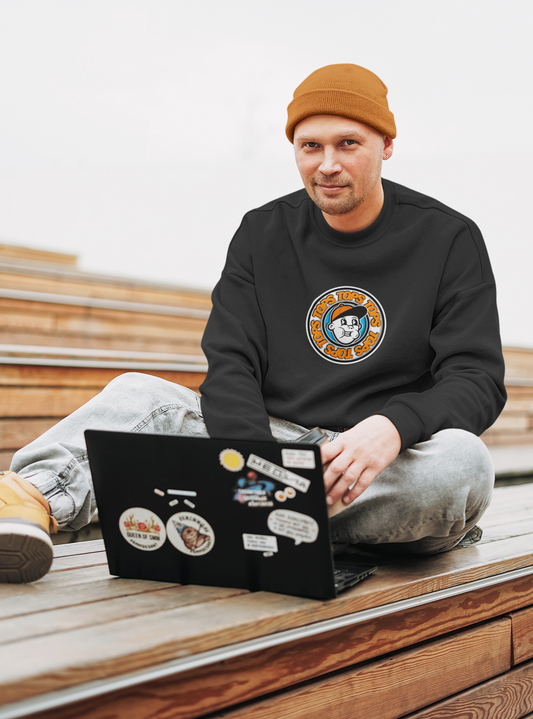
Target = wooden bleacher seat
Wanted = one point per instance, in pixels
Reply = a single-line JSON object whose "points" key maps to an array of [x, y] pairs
{"points": [[64, 334], [449, 636]]}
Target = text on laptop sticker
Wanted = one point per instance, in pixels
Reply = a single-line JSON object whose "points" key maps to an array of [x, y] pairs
{"points": [[302, 458], [295, 525], [190, 534], [253, 491], [260, 542], [282, 475], [142, 529]]}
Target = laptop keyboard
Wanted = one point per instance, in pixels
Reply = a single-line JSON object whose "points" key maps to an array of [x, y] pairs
{"points": [[345, 577]]}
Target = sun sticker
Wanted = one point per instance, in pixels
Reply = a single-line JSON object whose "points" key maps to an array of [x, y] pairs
{"points": [[231, 460]]}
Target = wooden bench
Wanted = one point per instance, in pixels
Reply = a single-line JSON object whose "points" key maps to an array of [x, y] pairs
{"points": [[64, 334], [432, 637]]}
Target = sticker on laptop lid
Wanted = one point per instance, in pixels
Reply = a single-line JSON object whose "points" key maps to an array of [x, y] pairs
{"points": [[301, 458], [287, 493], [190, 534], [142, 529], [253, 491], [275, 472], [295, 525], [260, 542], [231, 459]]}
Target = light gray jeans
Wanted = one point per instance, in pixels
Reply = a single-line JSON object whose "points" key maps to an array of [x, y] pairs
{"points": [[424, 502]]}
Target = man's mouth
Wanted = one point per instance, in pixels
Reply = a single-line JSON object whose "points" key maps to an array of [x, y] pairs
{"points": [[331, 188]]}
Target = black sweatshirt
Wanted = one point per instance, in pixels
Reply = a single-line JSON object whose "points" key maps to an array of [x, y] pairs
{"points": [[327, 328]]}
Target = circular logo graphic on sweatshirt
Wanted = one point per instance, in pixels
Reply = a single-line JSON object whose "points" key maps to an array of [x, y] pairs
{"points": [[345, 325], [142, 529], [190, 533]]}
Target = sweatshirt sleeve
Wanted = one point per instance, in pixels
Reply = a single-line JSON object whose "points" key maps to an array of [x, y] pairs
{"points": [[235, 344], [467, 371]]}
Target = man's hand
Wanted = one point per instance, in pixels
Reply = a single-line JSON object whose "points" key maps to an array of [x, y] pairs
{"points": [[357, 456]]}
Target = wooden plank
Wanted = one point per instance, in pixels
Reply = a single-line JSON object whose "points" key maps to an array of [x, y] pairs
{"points": [[70, 595], [34, 255], [74, 318], [50, 402], [77, 548], [17, 375], [13, 596], [244, 678], [97, 614], [518, 361], [192, 630], [509, 696], [43, 401], [6, 455], [505, 500], [177, 633], [392, 686], [507, 438], [17, 433], [522, 635], [89, 559], [179, 343], [106, 288]]}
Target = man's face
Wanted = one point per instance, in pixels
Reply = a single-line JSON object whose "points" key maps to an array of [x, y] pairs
{"points": [[346, 329], [339, 161]]}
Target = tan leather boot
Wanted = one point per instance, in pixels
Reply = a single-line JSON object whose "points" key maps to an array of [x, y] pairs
{"points": [[26, 550]]}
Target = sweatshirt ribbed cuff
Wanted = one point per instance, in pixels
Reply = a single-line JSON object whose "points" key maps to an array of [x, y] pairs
{"points": [[407, 422]]}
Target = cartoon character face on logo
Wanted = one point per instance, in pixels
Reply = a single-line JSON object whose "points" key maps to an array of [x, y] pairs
{"points": [[345, 325]]}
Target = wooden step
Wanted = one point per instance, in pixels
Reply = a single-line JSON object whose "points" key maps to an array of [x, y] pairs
{"points": [[81, 284]]}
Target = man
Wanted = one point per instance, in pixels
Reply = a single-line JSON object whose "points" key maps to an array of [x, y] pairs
{"points": [[354, 304]]}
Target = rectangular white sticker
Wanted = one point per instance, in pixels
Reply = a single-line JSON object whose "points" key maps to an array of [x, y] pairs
{"points": [[303, 458], [283, 475], [260, 542]]}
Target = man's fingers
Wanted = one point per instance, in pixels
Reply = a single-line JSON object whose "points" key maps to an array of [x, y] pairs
{"points": [[340, 487], [364, 481], [335, 470], [329, 451]]}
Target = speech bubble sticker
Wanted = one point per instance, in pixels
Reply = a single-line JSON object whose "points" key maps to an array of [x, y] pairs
{"points": [[260, 543], [294, 525]]}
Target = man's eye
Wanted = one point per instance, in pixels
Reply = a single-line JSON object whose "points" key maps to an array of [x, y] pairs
{"points": [[343, 321], [311, 144], [350, 142]]}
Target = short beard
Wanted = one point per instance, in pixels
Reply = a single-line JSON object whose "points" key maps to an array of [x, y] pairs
{"points": [[337, 206]]}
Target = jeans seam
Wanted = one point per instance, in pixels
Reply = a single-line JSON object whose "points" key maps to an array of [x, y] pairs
{"points": [[158, 411], [63, 480]]}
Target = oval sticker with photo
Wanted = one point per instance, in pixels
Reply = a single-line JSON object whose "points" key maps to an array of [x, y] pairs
{"points": [[190, 534], [142, 529]]}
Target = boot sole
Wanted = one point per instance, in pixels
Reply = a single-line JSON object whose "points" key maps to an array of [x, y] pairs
{"points": [[26, 552]]}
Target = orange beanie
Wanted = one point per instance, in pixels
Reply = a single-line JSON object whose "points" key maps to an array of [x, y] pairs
{"points": [[344, 90]]}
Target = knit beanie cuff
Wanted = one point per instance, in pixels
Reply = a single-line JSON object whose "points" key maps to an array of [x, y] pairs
{"points": [[322, 93]]}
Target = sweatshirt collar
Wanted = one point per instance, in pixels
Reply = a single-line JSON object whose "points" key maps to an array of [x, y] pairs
{"points": [[370, 233]]}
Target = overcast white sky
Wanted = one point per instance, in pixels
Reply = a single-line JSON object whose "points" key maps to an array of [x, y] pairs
{"points": [[136, 133]]}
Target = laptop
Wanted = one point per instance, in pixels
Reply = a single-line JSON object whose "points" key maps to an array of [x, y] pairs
{"points": [[216, 512]]}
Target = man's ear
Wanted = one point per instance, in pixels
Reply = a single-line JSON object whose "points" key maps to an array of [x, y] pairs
{"points": [[388, 147]]}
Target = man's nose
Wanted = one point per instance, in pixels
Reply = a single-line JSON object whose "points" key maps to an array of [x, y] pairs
{"points": [[330, 163]]}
